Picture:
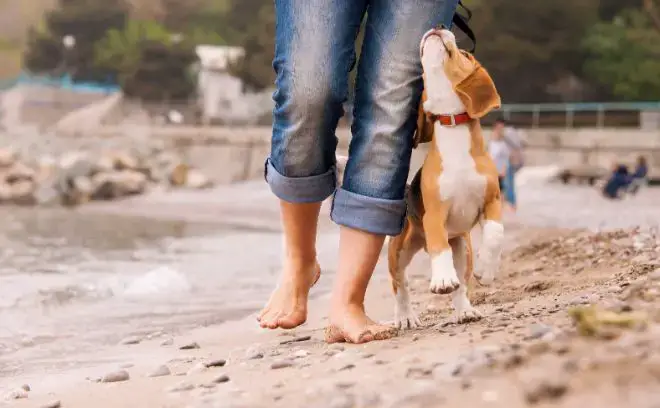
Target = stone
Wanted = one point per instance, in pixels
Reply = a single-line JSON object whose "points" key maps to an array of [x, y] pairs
{"points": [[26, 387], [131, 340], [253, 353], [546, 389], [215, 363], [167, 342], [197, 180], [180, 387], [8, 157], [179, 174], [52, 404], [221, 379], [19, 393], [116, 376], [281, 364], [296, 340], [190, 346], [160, 371], [301, 354]]}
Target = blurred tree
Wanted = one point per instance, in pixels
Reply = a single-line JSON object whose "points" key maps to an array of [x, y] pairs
{"points": [[87, 21], [252, 25], [624, 55], [528, 45]]}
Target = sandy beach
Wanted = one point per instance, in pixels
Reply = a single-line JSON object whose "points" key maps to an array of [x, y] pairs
{"points": [[540, 342]]}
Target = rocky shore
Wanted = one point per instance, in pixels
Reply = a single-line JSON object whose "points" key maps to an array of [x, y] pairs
{"points": [[76, 177], [573, 319]]}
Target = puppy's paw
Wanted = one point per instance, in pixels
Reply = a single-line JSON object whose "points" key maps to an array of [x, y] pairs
{"points": [[443, 274], [487, 266], [406, 318]]}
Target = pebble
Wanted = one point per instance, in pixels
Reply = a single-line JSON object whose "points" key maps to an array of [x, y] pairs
{"points": [[182, 386], [347, 367], [221, 379], [416, 337], [253, 353], [655, 275], [52, 404], [547, 389], [116, 376], [301, 354], [17, 394], [131, 340], [161, 371], [215, 363], [296, 340], [281, 364], [190, 346], [26, 387], [196, 369], [167, 342], [539, 330]]}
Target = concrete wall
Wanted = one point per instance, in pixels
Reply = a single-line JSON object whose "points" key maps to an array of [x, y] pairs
{"points": [[235, 154]]}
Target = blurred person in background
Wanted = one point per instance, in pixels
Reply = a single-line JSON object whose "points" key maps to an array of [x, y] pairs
{"points": [[639, 176], [618, 182], [499, 150], [508, 135]]}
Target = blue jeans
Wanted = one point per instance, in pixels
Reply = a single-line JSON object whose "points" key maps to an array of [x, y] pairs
{"points": [[314, 53]]}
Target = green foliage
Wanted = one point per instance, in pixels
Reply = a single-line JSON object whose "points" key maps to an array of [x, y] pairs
{"points": [[87, 21], [625, 56], [256, 34]]}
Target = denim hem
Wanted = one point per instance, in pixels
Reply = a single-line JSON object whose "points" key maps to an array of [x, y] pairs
{"points": [[374, 215], [312, 189]]}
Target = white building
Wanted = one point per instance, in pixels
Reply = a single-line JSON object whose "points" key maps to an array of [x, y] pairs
{"points": [[221, 95]]}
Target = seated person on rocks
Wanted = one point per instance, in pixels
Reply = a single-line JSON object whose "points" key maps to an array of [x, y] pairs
{"points": [[617, 183], [639, 177]]}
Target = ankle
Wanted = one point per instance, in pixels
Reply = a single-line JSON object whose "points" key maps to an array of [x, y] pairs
{"points": [[298, 262]]}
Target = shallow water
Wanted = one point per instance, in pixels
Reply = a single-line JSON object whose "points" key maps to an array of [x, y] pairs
{"points": [[71, 282]]}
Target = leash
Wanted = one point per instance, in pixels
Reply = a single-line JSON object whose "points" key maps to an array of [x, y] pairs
{"points": [[461, 22]]}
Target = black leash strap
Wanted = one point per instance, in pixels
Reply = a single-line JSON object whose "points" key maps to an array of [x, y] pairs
{"points": [[461, 22]]}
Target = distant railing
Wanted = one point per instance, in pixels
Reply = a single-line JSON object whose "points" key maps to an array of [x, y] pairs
{"points": [[572, 115], [64, 82]]}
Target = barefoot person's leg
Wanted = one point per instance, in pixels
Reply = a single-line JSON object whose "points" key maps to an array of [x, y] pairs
{"points": [[314, 53], [370, 203]]}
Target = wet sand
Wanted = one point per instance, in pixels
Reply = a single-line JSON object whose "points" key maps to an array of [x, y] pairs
{"points": [[526, 351]]}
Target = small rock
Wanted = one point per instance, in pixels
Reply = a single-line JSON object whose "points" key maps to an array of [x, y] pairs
{"points": [[347, 367], [415, 337], [253, 353], [655, 275], [344, 385], [296, 340], [17, 394], [539, 330], [281, 364], [190, 346], [131, 340], [197, 368], [26, 387], [167, 342], [221, 379], [547, 389], [161, 371], [301, 354], [182, 386], [215, 363], [116, 376], [52, 404]]}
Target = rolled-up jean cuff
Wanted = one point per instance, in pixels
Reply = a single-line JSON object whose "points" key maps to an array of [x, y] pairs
{"points": [[312, 189], [374, 215]]}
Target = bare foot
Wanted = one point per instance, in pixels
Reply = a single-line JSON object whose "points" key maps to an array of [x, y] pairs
{"points": [[287, 307], [351, 325]]}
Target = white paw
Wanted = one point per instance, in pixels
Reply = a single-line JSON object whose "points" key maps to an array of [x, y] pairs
{"points": [[466, 315], [487, 266], [444, 284], [406, 318], [443, 274]]}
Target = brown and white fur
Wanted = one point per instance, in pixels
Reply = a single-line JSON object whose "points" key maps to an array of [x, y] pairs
{"points": [[458, 186]]}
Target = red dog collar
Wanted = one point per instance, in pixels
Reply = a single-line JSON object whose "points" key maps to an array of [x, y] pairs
{"points": [[451, 120]]}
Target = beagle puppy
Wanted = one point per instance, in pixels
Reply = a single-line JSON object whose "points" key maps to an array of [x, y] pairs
{"points": [[457, 186]]}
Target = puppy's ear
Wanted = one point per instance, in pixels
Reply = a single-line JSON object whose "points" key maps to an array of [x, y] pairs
{"points": [[473, 85], [424, 131]]}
